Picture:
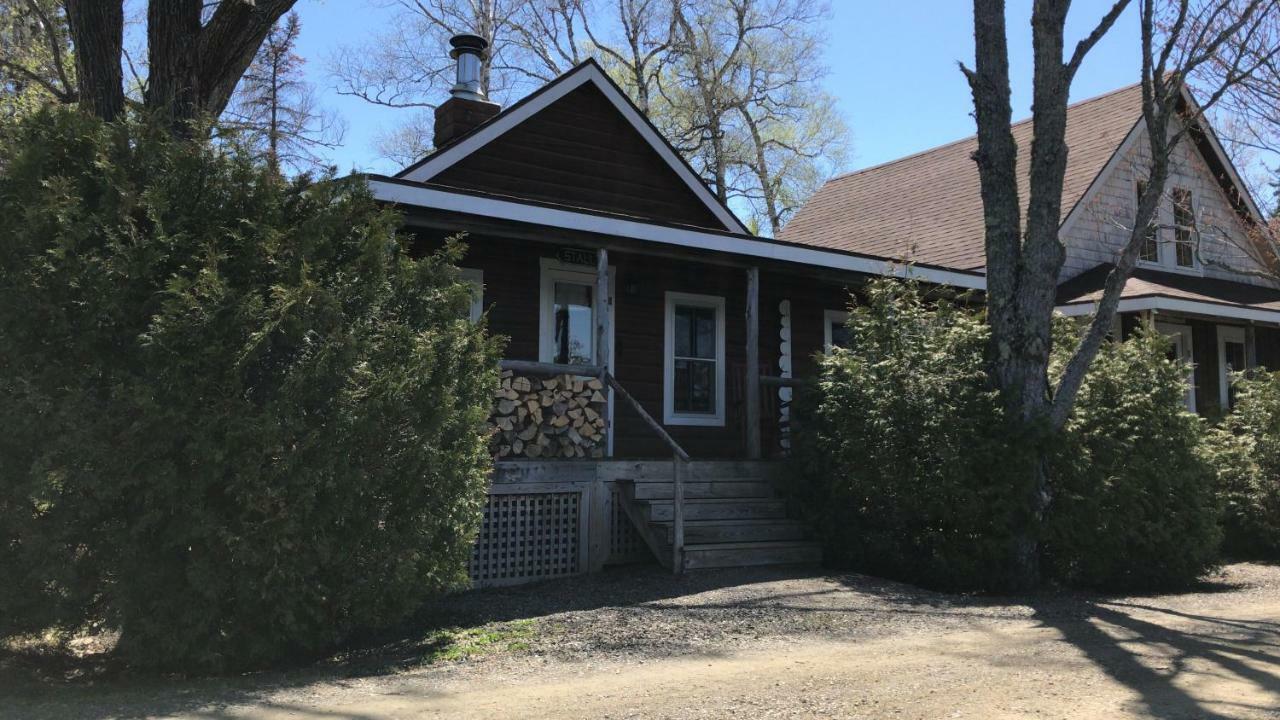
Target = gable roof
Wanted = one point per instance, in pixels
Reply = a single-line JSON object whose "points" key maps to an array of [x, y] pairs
{"points": [[927, 207], [641, 168]]}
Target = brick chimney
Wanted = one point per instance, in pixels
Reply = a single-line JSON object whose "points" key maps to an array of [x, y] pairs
{"points": [[467, 106]]}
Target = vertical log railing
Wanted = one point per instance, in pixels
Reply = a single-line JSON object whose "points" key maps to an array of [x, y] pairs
{"points": [[752, 395]]}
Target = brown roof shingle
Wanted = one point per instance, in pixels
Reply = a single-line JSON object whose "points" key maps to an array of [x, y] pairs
{"points": [[927, 207]]}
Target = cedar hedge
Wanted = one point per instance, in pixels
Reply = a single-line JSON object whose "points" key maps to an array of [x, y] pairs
{"points": [[241, 422]]}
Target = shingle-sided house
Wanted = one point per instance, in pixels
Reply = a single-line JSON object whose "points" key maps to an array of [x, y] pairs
{"points": [[1203, 279], [644, 322]]}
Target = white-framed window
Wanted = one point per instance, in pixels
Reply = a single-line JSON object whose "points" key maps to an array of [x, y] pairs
{"points": [[1184, 229], [1150, 253], [567, 319], [693, 372], [475, 278], [834, 332], [1182, 349], [1233, 356], [1173, 248]]}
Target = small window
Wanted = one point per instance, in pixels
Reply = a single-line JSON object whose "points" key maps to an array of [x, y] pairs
{"points": [[834, 332], [694, 370], [475, 278], [1233, 357], [1180, 348], [573, 324], [1184, 228], [567, 328], [1151, 243]]}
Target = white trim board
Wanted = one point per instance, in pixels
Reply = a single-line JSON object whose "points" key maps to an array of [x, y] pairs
{"points": [[1166, 304], [588, 72], [404, 194]]}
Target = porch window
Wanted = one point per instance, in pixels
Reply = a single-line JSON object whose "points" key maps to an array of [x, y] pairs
{"points": [[694, 368], [1181, 349], [1150, 252], [475, 278], [567, 329], [573, 324], [834, 332], [1184, 227], [1233, 357]]}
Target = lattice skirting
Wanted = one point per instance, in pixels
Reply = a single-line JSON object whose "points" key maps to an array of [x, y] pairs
{"points": [[625, 543], [528, 537]]}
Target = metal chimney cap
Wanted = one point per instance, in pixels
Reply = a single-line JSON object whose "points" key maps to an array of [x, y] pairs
{"points": [[467, 43]]}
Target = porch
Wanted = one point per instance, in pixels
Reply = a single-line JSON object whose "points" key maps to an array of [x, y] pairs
{"points": [[711, 433]]}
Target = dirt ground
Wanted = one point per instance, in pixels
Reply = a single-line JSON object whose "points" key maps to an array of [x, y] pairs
{"points": [[744, 644]]}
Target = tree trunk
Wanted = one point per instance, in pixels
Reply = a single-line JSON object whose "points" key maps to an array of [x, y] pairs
{"points": [[173, 79], [97, 31]]}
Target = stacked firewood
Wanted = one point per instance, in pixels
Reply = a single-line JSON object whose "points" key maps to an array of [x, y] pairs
{"points": [[555, 417]]}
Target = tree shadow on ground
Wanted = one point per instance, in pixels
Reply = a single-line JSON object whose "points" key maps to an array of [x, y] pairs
{"points": [[1124, 640]]}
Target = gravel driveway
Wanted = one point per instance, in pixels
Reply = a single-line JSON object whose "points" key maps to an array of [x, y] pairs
{"points": [[637, 643]]}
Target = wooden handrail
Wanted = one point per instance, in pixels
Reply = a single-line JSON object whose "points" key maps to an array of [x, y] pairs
{"points": [[542, 368], [679, 460], [644, 415]]}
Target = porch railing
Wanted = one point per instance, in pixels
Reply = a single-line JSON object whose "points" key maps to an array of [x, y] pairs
{"points": [[679, 459]]}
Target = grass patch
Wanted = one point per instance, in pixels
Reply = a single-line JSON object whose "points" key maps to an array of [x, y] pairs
{"points": [[453, 644]]}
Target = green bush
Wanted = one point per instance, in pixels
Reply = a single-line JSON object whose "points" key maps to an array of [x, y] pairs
{"points": [[910, 471], [240, 421], [902, 447], [1133, 503], [1245, 449]]}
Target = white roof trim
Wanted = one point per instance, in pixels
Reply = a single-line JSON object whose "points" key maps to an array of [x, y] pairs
{"points": [[1179, 305], [404, 194], [585, 73], [1224, 158]]}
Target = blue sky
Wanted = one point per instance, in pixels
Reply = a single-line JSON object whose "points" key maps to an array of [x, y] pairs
{"points": [[893, 68]]}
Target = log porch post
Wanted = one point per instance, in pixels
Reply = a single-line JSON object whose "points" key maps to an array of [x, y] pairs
{"points": [[604, 316], [753, 364]]}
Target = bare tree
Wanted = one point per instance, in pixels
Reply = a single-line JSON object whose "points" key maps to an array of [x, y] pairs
{"points": [[277, 108], [196, 54], [1248, 115], [1024, 253], [742, 99], [35, 56]]}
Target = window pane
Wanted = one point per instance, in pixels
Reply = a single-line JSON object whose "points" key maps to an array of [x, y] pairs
{"points": [[574, 324], [1150, 245], [705, 333], [695, 386], [1184, 220], [1236, 362], [683, 331], [839, 335], [695, 332]]}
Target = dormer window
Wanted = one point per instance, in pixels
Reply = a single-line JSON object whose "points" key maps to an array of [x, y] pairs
{"points": [[1184, 228], [1150, 252], [1159, 248]]}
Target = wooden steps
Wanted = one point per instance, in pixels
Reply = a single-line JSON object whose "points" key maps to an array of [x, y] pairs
{"points": [[732, 515]]}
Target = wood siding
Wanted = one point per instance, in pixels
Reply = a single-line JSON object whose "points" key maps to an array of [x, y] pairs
{"points": [[512, 280], [579, 151]]}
